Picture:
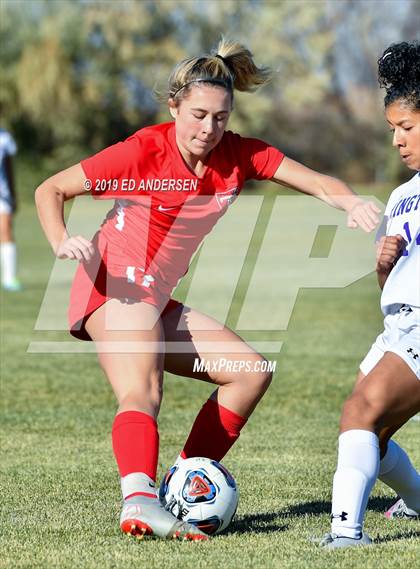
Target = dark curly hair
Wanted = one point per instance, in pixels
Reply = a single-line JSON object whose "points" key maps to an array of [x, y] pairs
{"points": [[399, 73]]}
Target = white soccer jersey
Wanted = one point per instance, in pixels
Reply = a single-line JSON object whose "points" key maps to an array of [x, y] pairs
{"points": [[402, 216], [7, 147]]}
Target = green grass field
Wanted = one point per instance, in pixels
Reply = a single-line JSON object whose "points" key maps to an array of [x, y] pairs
{"points": [[60, 490]]}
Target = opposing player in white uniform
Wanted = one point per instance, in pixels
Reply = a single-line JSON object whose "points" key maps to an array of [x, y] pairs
{"points": [[387, 391], [7, 209]]}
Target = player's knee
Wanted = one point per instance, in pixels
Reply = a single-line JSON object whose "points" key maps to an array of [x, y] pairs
{"points": [[157, 394], [360, 409], [5, 234], [6, 230], [145, 401], [355, 407], [142, 394], [264, 380], [261, 377]]}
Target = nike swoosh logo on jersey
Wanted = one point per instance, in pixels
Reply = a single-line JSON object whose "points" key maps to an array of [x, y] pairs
{"points": [[161, 208], [229, 196]]}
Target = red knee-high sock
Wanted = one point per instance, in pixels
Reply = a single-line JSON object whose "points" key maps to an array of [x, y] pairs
{"points": [[214, 431], [135, 440]]}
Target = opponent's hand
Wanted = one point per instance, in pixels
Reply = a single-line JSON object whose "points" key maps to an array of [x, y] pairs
{"points": [[388, 250], [75, 248], [364, 215]]}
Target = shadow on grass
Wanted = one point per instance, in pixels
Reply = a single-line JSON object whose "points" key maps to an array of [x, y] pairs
{"points": [[258, 523], [375, 504], [271, 521], [409, 534]]}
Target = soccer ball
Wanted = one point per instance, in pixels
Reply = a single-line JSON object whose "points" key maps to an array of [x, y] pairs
{"points": [[202, 492]]}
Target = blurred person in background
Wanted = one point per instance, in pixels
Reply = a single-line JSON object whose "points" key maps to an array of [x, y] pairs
{"points": [[8, 254]]}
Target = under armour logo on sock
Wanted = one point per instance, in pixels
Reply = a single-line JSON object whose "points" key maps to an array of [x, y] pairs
{"points": [[342, 516], [411, 351]]}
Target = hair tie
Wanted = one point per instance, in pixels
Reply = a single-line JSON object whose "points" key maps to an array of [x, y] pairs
{"points": [[223, 59], [228, 65]]}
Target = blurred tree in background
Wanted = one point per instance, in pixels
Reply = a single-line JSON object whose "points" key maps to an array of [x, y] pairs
{"points": [[78, 75]]}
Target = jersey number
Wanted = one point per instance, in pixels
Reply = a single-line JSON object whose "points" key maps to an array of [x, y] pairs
{"points": [[406, 228]]}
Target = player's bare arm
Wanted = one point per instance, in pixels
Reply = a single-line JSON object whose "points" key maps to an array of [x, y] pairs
{"points": [[330, 190], [50, 197]]}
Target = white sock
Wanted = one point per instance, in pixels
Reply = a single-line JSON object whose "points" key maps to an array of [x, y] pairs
{"points": [[357, 470], [8, 262], [397, 472], [138, 483]]}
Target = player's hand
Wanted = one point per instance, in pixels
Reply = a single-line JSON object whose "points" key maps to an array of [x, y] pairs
{"points": [[388, 250], [75, 248], [364, 215]]}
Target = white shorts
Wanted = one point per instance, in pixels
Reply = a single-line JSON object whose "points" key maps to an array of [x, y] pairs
{"points": [[5, 207], [401, 336]]}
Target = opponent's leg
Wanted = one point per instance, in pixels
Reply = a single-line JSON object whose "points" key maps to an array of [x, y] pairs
{"points": [[397, 472], [227, 361], [8, 254], [136, 378], [377, 402]]}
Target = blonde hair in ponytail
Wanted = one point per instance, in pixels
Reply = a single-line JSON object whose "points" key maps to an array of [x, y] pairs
{"points": [[231, 66], [246, 75]]}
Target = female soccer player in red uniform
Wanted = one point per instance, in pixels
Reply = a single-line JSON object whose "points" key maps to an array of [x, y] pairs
{"points": [[387, 391], [182, 177]]}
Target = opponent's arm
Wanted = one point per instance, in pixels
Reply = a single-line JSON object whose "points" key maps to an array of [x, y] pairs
{"points": [[330, 190], [50, 197], [388, 250]]}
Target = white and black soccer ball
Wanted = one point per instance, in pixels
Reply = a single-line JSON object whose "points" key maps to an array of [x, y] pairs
{"points": [[202, 492]]}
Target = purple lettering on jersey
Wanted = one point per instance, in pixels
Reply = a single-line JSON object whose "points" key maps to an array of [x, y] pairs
{"points": [[410, 203], [392, 213], [405, 206], [407, 231], [400, 210], [406, 228]]}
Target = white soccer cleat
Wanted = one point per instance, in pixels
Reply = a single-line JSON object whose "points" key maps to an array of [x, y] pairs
{"points": [[402, 511], [334, 541], [142, 517]]}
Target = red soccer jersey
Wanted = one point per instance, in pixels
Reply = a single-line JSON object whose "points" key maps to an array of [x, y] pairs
{"points": [[162, 209]]}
